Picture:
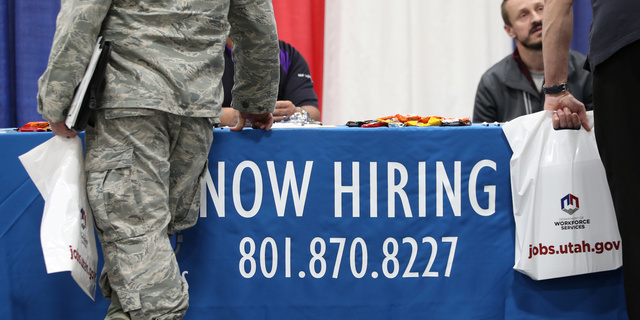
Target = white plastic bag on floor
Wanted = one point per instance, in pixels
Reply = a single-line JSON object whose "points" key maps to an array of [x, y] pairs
{"points": [[56, 167], [564, 215]]}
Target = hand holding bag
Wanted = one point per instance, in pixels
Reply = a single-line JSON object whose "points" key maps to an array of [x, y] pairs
{"points": [[66, 234], [564, 215]]}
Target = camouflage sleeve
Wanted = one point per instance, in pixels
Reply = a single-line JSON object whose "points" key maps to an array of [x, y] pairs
{"points": [[256, 55], [77, 28]]}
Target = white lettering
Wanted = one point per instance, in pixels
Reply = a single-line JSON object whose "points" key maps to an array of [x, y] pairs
{"points": [[490, 190], [237, 201], [397, 189], [339, 189], [422, 189], [442, 180], [289, 182], [216, 196], [400, 185], [373, 189]]}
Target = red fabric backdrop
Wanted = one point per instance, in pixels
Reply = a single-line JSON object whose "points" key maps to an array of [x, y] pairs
{"points": [[301, 23]]}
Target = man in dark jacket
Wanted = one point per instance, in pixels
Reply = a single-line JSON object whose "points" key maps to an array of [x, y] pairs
{"points": [[513, 86]]}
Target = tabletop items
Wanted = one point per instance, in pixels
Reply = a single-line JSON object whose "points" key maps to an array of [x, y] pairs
{"points": [[35, 126], [405, 120]]}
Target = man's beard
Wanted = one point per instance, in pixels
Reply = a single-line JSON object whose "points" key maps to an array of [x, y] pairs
{"points": [[533, 45]]}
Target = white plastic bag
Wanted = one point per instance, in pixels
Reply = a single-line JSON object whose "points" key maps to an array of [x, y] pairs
{"points": [[564, 215], [68, 241]]}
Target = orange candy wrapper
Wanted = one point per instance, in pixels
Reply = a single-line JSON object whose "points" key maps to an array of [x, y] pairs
{"points": [[411, 120], [36, 126]]}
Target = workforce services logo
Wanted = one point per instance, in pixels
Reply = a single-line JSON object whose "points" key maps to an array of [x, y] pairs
{"points": [[570, 204]]}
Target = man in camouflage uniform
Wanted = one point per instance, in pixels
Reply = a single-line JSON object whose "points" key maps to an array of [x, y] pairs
{"points": [[148, 143]]}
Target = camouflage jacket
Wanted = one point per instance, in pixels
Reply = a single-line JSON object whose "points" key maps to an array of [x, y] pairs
{"points": [[166, 55]]}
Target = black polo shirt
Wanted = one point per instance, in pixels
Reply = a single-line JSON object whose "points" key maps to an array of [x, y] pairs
{"points": [[615, 25], [296, 84]]}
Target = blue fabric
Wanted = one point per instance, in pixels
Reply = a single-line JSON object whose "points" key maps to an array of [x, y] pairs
{"points": [[26, 34], [7, 71], [230, 281]]}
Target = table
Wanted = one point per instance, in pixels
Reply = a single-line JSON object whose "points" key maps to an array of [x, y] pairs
{"points": [[340, 223]]}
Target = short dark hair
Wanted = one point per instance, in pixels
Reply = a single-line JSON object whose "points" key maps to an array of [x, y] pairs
{"points": [[505, 14]]}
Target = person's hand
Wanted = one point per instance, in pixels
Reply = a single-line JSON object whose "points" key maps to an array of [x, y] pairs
{"points": [[60, 129], [229, 117], [258, 121], [284, 110], [568, 111]]}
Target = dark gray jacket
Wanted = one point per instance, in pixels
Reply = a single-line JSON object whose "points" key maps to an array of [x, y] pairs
{"points": [[504, 92]]}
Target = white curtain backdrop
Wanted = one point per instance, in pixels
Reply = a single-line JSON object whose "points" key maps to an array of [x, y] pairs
{"points": [[425, 57]]}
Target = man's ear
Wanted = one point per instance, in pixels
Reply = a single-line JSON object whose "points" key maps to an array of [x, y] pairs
{"points": [[509, 31]]}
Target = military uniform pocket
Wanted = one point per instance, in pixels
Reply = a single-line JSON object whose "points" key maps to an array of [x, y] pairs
{"points": [[114, 193], [188, 212]]}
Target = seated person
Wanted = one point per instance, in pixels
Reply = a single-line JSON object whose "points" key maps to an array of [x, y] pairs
{"points": [[513, 86], [295, 92]]}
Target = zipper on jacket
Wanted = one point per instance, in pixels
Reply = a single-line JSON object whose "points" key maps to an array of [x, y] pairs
{"points": [[527, 102]]}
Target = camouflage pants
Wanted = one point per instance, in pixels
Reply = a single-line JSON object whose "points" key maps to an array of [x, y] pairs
{"points": [[143, 183]]}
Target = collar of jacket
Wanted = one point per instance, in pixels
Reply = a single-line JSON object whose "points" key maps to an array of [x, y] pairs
{"points": [[524, 70], [522, 80]]}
